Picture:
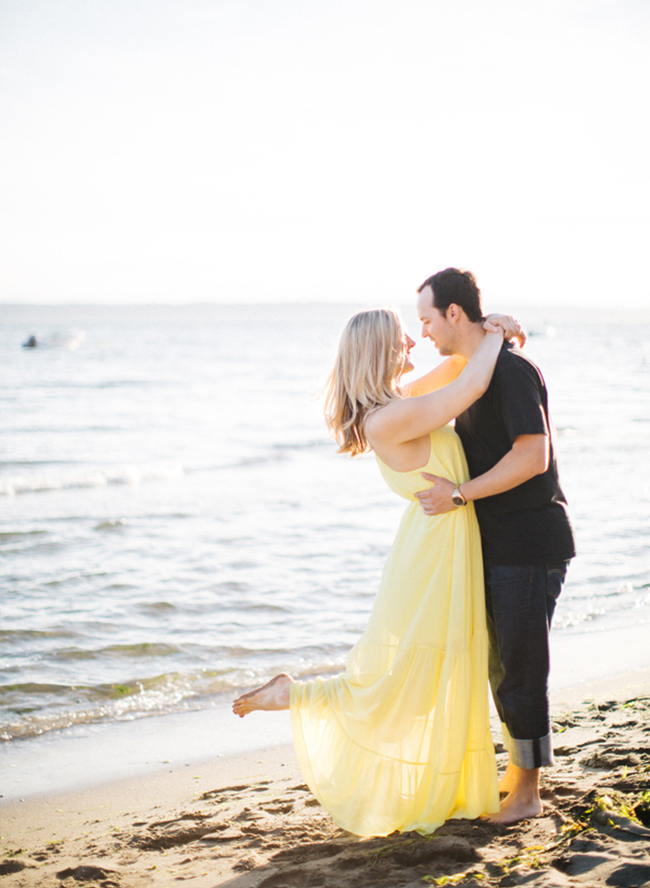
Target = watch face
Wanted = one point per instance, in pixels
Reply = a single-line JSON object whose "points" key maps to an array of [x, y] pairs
{"points": [[458, 501]]}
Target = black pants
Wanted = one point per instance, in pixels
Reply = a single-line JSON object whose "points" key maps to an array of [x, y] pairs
{"points": [[520, 601]]}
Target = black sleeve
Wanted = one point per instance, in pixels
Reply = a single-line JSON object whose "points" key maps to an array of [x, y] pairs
{"points": [[519, 398]]}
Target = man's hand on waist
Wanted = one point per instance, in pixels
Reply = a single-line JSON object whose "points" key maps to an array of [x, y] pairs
{"points": [[436, 500]]}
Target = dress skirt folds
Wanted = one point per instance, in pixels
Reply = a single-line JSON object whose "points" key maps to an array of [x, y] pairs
{"points": [[401, 740]]}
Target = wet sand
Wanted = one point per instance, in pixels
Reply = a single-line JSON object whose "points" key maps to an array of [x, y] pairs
{"points": [[249, 820]]}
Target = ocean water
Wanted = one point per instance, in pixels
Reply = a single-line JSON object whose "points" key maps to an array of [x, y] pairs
{"points": [[175, 524]]}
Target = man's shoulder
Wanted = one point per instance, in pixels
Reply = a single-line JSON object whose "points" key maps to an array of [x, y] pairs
{"points": [[512, 362]]}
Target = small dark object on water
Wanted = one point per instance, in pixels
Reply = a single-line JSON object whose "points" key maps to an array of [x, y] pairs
{"points": [[31, 342]]}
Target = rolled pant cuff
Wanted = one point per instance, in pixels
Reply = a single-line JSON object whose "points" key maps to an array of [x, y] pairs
{"points": [[528, 754]]}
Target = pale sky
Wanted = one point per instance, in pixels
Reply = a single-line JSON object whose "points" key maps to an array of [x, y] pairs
{"points": [[338, 150]]}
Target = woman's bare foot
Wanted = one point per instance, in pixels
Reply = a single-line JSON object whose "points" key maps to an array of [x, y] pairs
{"points": [[273, 695]]}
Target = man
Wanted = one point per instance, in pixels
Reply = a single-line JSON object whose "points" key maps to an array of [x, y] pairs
{"points": [[527, 538]]}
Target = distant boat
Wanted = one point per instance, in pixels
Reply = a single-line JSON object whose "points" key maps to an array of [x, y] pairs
{"points": [[69, 340]]}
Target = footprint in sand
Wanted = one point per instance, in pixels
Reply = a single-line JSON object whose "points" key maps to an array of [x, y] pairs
{"points": [[85, 873], [247, 814], [230, 793], [7, 867], [281, 808], [287, 879], [225, 834]]}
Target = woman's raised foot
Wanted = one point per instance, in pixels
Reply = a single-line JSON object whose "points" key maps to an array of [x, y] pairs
{"points": [[274, 695]]}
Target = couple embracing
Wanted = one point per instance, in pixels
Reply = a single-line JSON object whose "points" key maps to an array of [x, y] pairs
{"points": [[400, 740]]}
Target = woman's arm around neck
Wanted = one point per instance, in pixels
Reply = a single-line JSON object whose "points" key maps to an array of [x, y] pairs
{"points": [[401, 422]]}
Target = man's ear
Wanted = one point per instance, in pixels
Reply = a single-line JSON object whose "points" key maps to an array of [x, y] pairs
{"points": [[454, 313]]}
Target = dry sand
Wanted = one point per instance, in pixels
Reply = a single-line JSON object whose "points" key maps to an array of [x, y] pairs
{"points": [[250, 821]]}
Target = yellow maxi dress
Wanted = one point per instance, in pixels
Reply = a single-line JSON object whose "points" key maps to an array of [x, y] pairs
{"points": [[400, 740]]}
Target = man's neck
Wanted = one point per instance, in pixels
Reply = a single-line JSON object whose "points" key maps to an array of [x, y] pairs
{"points": [[470, 339]]}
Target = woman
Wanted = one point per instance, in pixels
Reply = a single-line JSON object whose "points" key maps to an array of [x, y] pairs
{"points": [[400, 740]]}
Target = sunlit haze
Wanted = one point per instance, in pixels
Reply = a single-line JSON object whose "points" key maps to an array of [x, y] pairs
{"points": [[293, 150]]}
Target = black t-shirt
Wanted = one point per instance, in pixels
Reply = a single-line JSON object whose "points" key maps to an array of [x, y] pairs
{"points": [[528, 524]]}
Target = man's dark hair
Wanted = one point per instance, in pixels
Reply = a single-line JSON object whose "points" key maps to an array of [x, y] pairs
{"points": [[455, 286]]}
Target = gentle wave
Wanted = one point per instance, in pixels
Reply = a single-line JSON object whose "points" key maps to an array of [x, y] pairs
{"points": [[33, 709], [134, 474], [14, 535], [20, 635], [128, 474], [622, 603], [135, 651], [276, 453]]}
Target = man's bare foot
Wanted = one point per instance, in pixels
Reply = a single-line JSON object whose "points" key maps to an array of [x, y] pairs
{"points": [[273, 695], [523, 799], [508, 779], [515, 808]]}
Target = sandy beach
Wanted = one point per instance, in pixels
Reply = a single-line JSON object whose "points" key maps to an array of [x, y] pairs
{"points": [[248, 821]]}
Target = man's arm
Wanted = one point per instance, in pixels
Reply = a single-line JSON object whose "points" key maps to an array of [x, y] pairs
{"points": [[528, 457]]}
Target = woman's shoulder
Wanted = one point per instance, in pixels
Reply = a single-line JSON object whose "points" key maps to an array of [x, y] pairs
{"points": [[377, 419], [370, 422]]}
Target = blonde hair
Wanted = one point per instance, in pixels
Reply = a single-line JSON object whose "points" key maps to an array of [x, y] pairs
{"points": [[364, 377]]}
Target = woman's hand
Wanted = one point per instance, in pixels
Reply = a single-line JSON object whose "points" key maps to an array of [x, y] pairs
{"points": [[511, 327]]}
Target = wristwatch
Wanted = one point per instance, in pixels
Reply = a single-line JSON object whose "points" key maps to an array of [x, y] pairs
{"points": [[457, 497]]}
